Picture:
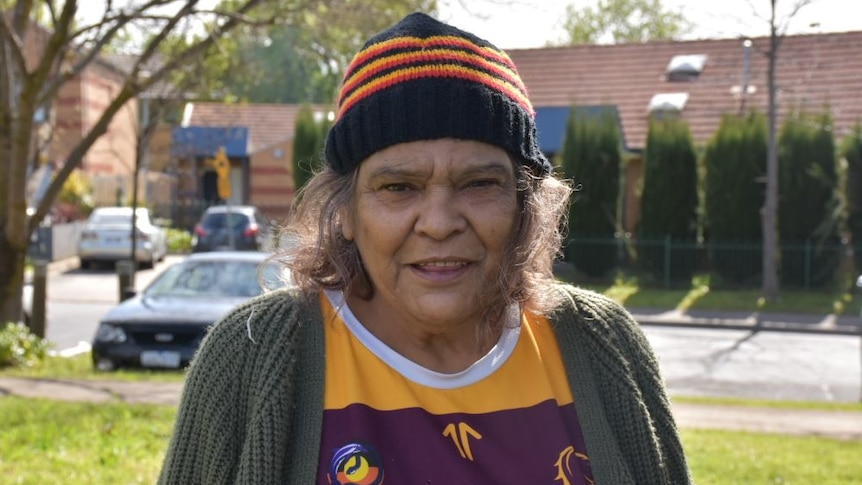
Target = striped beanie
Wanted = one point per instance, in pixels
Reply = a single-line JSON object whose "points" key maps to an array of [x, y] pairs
{"points": [[422, 80]]}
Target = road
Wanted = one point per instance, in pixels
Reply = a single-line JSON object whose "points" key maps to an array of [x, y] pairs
{"points": [[77, 299], [695, 361], [762, 365]]}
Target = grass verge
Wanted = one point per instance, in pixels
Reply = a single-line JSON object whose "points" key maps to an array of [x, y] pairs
{"points": [[81, 367], [700, 296], [46, 441], [723, 457]]}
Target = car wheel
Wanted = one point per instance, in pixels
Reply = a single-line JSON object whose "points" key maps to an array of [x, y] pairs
{"points": [[86, 264]]}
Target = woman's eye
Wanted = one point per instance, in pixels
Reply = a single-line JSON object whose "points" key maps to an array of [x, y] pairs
{"points": [[481, 183], [396, 187]]}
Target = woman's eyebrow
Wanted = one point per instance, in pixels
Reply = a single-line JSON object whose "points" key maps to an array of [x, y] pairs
{"points": [[493, 168], [399, 170]]}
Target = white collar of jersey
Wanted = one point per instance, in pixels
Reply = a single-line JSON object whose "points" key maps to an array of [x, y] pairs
{"points": [[481, 369]]}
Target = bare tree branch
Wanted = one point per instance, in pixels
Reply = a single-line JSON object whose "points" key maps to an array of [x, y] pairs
{"points": [[14, 41], [131, 88]]}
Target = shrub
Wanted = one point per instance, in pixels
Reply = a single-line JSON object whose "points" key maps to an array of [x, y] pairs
{"points": [[309, 139], [591, 158], [735, 159], [20, 348], [851, 150], [179, 241], [669, 202], [808, 216]]}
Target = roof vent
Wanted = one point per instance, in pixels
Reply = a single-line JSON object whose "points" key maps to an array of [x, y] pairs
{"points": [[667, 102], [685, 67]]}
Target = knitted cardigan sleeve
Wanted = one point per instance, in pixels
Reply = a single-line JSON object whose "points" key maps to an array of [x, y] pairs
{"points": [[236, 412], [615, 379]]}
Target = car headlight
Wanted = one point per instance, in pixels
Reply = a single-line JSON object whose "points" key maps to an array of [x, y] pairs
{"points": [[110, 333]]}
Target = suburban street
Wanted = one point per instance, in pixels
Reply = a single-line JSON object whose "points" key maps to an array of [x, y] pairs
{"points": [[695, 361]]}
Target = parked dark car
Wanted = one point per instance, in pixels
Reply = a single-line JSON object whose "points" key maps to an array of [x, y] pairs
{"points": [[240, 228], [162, 326]]}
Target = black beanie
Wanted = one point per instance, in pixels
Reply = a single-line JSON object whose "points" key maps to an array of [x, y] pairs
{"points": [[421, 80]]}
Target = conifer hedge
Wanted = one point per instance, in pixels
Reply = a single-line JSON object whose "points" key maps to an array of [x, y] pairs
{"points": [[309, 137], [669, 201], [591, 156], [808, 219], [851, 150], [734, 191]]}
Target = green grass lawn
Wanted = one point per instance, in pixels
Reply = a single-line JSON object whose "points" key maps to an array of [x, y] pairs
{"points": [[702, 297], [81, 367], [44, 441]]}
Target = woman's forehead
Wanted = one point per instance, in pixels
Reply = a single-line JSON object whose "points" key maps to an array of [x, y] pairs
{"points": [[450, 156]]}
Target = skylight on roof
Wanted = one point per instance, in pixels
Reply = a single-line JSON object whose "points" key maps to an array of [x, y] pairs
{"points": [[664, 102], [685, 67]]}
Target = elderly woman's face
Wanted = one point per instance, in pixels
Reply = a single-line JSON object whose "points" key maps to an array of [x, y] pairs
{"points": [[432, 221]]}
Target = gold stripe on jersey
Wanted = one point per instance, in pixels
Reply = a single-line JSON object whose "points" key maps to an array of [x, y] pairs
{"points": [[532, 374]]}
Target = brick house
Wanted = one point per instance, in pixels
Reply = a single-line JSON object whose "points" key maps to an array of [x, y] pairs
{"points": [[80, 102], [697, 80], [259, 142]]}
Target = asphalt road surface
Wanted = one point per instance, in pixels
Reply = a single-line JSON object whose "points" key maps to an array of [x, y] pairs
{"points": [[695, 362]]}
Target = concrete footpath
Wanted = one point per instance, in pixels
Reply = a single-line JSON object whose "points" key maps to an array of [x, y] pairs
{"points": [[841, 425]]}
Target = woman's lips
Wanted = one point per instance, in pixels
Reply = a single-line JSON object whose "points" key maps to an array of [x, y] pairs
{"points": [[441, 271]]}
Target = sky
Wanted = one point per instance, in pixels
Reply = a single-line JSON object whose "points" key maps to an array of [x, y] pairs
{"points": [[533, 23]]}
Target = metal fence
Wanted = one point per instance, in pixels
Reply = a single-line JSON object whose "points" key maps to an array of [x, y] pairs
{"points": [[182, 213], [668, 263]]}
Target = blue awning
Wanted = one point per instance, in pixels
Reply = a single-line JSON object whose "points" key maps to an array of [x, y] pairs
{"points": [[204, 141], [551, 124], [551, 128]]}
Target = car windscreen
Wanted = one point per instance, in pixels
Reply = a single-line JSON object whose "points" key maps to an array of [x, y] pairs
{"points": [[222, 219], [214, 279]]}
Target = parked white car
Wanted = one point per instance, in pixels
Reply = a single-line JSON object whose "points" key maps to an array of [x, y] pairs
{"points": [[107, 237]]}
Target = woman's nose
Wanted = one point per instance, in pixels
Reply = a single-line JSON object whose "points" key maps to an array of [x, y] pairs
{"points": [[440, 215]]}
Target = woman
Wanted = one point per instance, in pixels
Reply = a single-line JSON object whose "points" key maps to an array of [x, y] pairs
{"points": [[426, 340]]}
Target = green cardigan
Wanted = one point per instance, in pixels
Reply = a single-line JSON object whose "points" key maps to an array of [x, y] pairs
{"points": [[251, 411]]}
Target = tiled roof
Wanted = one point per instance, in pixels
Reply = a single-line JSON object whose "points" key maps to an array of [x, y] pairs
{"points": [[267, 124], [813, 71]]}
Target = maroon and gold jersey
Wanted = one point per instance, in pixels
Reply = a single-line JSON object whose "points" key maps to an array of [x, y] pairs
{"points": [[509, 418]]}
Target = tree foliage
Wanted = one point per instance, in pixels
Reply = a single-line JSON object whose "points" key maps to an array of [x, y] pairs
{"points": [[300, 58], [808, 213], [851, 150], [669, 201], [591, 157], [623, 21], [66, 44], [307, 146], [735, 161]]}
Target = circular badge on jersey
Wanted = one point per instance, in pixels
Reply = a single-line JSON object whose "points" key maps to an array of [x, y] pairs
{"points": [[355, 464]]}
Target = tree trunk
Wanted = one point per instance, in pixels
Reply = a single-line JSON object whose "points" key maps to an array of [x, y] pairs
{"points": [[13, 210], [770, 208]]}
